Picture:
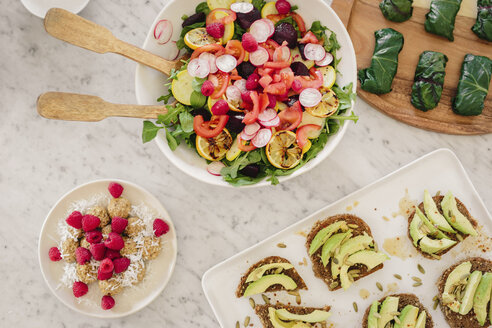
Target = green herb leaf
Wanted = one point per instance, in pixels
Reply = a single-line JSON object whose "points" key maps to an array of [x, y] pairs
{"points": [[197, 99], [239, 163], [346, 96], [149, 131], [171, 140], [351, 117], [259, 4], [202, 8], [196, 84], [186, 121], [165, 98]]}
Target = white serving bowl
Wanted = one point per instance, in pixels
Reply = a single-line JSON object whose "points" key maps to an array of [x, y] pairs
{"points": [[149, 84]]}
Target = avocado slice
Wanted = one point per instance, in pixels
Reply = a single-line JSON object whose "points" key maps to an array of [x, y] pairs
{"points": [[349, 247], [408, 317], [471, 287], [388, 308], [432, 246], [372, 320], [434, 232], [331, 244], [421, 320], [369, 258], [433, 214], [313, 317], [260, 271], [455, 217], [262, 284], [323, 235], [454, 278], [482, 298], [415, 231], [276, 322]]}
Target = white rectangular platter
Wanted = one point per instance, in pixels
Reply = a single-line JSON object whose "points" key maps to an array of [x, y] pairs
{"points": [[379, 205]]}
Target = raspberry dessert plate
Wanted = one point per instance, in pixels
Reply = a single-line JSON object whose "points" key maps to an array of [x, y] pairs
{"points": [[128, 217]]}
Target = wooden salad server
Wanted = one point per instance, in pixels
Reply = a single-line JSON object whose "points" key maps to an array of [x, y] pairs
{"points": [[77, 107], [83, 33]]}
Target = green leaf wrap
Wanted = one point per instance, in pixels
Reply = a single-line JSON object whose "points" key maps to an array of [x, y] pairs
{"points": [[429, 80]]}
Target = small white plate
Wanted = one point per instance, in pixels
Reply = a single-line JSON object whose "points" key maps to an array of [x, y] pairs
{"points": [[40, 7], [131, 300], [439, 170]]}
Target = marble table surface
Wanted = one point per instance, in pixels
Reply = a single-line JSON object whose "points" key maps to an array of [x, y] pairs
{"points": [[41, 159]]}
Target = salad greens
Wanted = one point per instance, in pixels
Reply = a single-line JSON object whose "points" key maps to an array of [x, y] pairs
{"points": [[379, 76], [429, 80], [396, 10], [483, 25], [441, 17]]}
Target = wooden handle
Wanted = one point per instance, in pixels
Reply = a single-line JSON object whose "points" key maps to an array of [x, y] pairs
{"points": [[83, 33], [77, 107], [343, 8]]}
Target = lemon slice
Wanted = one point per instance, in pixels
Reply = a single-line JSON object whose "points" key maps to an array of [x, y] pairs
{"points": [[326, 107], [283, 151], [280, 106], [269, 9], [214, 149], [234, 152], [215, 4], [228, 28], [329, 76], [198, 37], [181, 87]]}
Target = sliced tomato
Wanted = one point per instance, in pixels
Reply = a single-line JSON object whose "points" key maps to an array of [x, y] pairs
{"points": [[211, 128], [309, 38], [235, 48], [212, 16], [299, 21], [214, 48], [306, 132], [276, 78], [243, 146], [291, 117], [252, 115], [276, 65], [287, 75], [275, 18], [270, 46], [265, 80], [278, 88], [220, 80], [316, 82], [265, 71], [264, 101]]}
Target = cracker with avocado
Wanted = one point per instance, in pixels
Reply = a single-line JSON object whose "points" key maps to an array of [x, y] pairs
{"points": [[403, 301], [271, 274], [342, 250], [314, 316], [471, 303]]}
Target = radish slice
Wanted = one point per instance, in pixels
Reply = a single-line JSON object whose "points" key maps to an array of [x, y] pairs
{"points": [[214, 168], [272, 123], [246, 137], [259, 57], [198, 68], [261, 30], [211, 61], [267, 115], [310, 97], [325, 61], [251, 129], [233, 93], [173, 51], [262, 138], [314, 51], [241, 7], [281, 54], [226, 63], [241, 84], [163, 31], [270, 25]]}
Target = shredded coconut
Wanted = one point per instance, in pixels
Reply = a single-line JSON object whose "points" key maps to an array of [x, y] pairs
{"points": [[69, 275]]}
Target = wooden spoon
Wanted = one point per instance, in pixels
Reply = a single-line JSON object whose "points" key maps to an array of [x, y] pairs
{"points": [[81, 32], [77, 107]]}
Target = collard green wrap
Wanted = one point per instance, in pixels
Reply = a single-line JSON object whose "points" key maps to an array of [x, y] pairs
{"points": [[379, 76], [396, 10], [441, 17], [483, 25], [473, 85], [429, 80]]}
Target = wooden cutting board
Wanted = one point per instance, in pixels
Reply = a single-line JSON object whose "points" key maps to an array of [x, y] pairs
{"points": [[363, 17]]}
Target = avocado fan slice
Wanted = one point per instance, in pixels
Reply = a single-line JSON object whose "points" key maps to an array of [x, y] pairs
{"points": [[455, 217], [434, 215]]}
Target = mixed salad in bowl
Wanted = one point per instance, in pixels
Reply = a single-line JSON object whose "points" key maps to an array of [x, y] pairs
{"points": [[257, 98]]}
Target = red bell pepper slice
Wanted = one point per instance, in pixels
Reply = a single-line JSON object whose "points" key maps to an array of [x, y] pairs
{"points": [[212, 16], [291, 117], [235, 48], [278, 88], [220, 81], [276, 65], [309, 38], [212, 48], [209, 129], [242, 144], [303, 133], [252, 115]]}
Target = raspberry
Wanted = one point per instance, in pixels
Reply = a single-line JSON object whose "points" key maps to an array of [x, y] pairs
{"points": [[283, 6], [160, 227], [216, 30], [112, 254], [221, 107], [246, 97], [107, 302], [252, 81], [272, 100], [249, 42], [207, 88], [114, 241], [82, 255], [121, 264], [98, 251], [118, 225], [102, 275], [90, 222], [94, 237], [115, 189], [79, 289], [106, 266], [75, 220], [54, 254]]}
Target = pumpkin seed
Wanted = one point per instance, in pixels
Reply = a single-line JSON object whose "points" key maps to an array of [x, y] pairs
{"points": [[279, 270], [265, 298], [417, 279], [237, 324], [436, 303], [246, 321], [252, 303], [335, 260], [334, 284], [421, 268], [436, 256], [435, 298], [298, 299], [417, 284], [352, 225], [293, 292], [379, 286], [397, 276], [281, 245], [356, 308], [460, 238], [395, 313]]}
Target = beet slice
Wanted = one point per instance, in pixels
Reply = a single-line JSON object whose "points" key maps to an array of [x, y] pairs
{"points": [[299, 68], [195, 18], [245, 20], [245, 69], [286, 32]]}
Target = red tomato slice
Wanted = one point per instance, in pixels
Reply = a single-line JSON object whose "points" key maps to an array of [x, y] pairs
{"points": [[214, 48], [243, 146], [209, 129], [276, 17], [291, 117], [252, 115], [278, 88], [265, 71], [287, 76], [276, 65], [316, 83], [220, 81], [299, 21], [235, 48], [212, 16], [309, 38], [303, 133]]}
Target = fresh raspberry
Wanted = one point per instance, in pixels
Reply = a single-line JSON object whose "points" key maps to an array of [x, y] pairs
{"points": [[118, 225], [121, 264], [115, 189], [94, 237], [252, 81], [112, 254], [207, 88], [272, 101], [98, 251], [107, 302], [79, 289], [114, 241], [102, 275], [54, 254], [160, 227], [90, 222], [249, 42], [82, 255], [221, 107], [246, 97], [75, 220], [216, 30], [106, 266], [283, 6]]}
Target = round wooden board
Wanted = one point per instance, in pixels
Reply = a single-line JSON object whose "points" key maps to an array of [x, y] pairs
{"points": [[363, 17]]}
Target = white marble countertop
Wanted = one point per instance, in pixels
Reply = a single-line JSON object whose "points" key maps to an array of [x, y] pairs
{"points": [[42, 159]]}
